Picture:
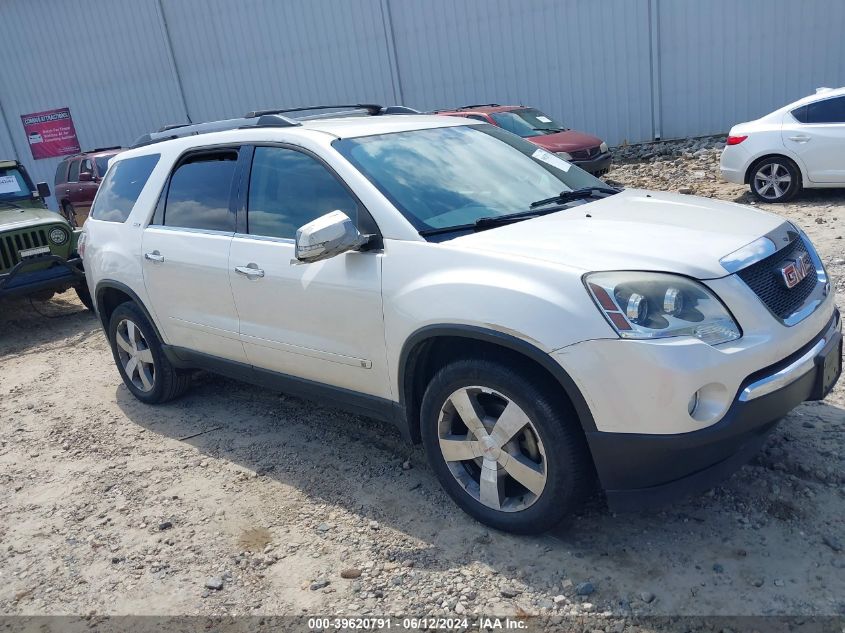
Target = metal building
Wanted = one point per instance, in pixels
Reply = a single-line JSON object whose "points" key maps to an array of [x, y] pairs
{"points": [[626, 70]]}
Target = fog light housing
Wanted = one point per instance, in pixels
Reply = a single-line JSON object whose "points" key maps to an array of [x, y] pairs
{"points": [[692, 405]]}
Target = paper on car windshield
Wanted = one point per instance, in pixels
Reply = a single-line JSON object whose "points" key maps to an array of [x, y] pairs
{"points": [[551, 159], [9, 184], [544, 119]]}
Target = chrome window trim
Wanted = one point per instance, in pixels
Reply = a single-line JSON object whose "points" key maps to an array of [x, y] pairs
{"points": [[185, 229], [266, 238]]}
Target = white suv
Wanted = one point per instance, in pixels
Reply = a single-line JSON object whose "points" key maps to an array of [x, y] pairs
{"points": [[533, 328], [801, 145]]}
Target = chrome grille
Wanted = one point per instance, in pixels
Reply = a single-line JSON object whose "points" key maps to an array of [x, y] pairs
{"points": [[586, 154], [764, 279], [11, 244]]}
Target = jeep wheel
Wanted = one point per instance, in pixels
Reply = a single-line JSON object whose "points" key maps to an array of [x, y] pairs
{"points": [[140, 359], [84, 296], [510, 454], [69, 214]]}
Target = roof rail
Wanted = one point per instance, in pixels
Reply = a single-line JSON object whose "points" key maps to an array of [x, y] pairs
{"points": [[479, 105], [169, 132], [264, 118]]}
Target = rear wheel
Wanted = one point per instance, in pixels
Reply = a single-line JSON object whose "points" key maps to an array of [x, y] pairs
{"points": [[69, 213], [775, 179], [509, 453], [139, 357]]}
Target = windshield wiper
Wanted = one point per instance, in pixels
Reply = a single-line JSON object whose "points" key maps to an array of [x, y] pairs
{"points": [[577, 194], [496, 220], [11, 204]]}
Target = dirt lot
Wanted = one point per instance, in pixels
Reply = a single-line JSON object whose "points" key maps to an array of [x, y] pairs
{"points": [[235, 500]]}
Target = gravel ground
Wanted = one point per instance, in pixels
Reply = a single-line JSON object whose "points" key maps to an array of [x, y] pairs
{"points": [[235, 500]]}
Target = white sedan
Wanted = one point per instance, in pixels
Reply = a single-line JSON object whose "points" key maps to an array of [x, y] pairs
{"points": [[799, 145]]}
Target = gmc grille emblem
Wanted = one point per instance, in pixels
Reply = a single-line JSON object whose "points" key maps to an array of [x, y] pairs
{"points": [[794, 271]]}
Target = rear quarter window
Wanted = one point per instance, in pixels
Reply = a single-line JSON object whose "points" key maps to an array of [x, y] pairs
{"points": [[61, 173], [121, 187]]}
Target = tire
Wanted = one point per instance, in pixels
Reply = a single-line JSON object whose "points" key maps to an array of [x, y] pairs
{"points": [[152, 379], [774, 179], [69, 214], [85, 296], [551, 444]]}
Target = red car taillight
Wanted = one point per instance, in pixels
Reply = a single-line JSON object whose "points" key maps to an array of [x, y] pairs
{"points": [[736, 140]]}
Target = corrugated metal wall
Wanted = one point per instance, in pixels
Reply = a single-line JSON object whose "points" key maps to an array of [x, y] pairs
{"points": [[626, 70], [726, 61]]}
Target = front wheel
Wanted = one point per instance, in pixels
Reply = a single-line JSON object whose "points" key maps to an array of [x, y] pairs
{"points": [[509, 451], [775, 179], [85, 296], [140, 359]]}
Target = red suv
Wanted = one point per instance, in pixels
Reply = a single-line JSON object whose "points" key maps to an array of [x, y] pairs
{"points": [[590, 153], [77, 179]]}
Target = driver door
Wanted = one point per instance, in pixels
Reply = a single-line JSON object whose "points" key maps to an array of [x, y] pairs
{"points": [[320, 321]]}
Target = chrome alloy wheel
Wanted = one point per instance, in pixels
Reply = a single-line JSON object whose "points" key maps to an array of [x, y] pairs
{"points": [[492, 449], [772, 181], [135, 355]]}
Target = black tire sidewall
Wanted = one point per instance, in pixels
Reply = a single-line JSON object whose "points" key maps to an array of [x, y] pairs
{"points": [[70, 214], [562, 440], [794, 186], [130, 311]]}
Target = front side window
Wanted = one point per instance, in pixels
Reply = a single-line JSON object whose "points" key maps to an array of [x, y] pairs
{"points": [[452, 176], [73, 176], [120, 189], [86, 167], [288, 188], [199, 192], [826, 111]]}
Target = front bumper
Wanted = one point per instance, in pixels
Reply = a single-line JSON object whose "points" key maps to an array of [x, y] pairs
{"points": [[597, 166], [639, 470], [22, 279]]}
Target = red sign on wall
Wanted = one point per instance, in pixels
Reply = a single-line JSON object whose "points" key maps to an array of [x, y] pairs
{"points": [[50, 133]]}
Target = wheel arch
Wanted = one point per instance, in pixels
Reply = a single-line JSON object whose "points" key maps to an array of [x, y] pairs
{"points": [[753, 165], [110, 294], [432, 346]]}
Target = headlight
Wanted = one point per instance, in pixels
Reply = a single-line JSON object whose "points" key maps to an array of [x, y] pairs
{"points": [[603, 147], [564, 155], [643, 305], [58, 236]]}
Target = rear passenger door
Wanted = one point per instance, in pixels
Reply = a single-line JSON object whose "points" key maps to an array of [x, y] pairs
{"points": [[186, 255], [321, 321], [817, 135]]}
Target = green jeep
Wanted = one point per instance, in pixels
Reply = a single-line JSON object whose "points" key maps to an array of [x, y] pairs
{"points": [[38, 254]]}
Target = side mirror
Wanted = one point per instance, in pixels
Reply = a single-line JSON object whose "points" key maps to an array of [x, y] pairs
{"points": [[327, 236], [43, 190], [86, 176]]}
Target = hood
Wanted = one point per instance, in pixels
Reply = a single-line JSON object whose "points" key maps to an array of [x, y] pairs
{"points": [[633, 230], [11, 218], [566, 141]]}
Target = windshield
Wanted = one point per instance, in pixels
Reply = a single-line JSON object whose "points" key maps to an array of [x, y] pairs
{"points": [[539, 121], [13, 184], [452, 176]]}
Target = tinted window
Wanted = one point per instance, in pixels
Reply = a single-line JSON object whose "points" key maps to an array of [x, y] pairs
{"points": [[477, 117], [288, 189], [121, 188], [827, 111], [198, 197], [61, 173], [102, 165], [800, 114], [73, 176]]}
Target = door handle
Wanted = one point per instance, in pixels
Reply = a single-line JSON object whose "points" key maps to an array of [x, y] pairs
{"points": [[250, 271], [155, 256], [799, 139]]}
